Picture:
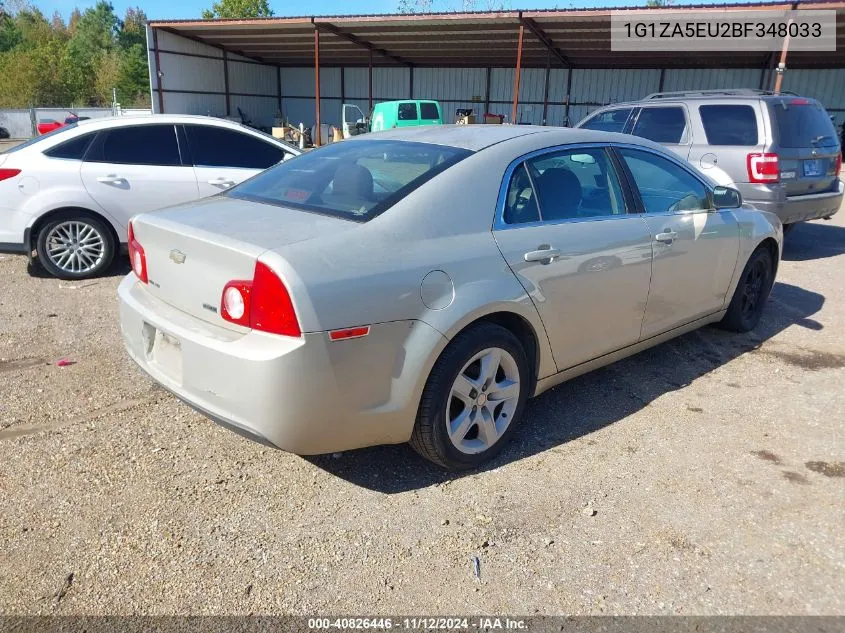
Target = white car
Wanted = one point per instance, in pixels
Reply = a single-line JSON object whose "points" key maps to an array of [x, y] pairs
{"points": [[68, 195]]}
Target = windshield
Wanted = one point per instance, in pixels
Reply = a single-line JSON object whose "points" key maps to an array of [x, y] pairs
{"points": [[803, 124], [355, 180], [38, 139]]}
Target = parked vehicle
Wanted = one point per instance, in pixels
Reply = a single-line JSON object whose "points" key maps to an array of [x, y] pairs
{"points": [[45, 126], [4, 133], [391, 114], [358, 296], [69, 194], [779, 151]]}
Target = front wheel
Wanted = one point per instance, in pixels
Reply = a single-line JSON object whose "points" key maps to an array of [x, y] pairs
{"points": [[751, 292], [75, 247], [473, 398]]}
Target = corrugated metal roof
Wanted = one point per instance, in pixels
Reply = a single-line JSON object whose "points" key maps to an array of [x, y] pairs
{"points": [[578, 38]]}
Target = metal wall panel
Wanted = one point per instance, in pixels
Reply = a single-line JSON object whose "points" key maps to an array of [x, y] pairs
{"points": [[298, 110], [710, 78], [601, 86], [252, 78], [828, 85], [189, 103], [170, 42], [299, 82], [260, 111], [391, 83], [357, 84], [191, 73], [450, 84]]}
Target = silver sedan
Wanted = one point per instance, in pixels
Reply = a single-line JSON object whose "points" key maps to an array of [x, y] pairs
{"points": [[419, 285]]}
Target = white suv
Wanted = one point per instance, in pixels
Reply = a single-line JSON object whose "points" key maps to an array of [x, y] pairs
{"points": [[68, 195]]}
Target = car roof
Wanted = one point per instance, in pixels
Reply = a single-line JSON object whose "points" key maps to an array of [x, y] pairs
{"points": [[477, 137], [134, 119], [726, 97]]}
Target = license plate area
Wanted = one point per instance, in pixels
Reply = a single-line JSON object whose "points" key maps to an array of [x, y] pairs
{"points": [[814, 168], [163, 352]]}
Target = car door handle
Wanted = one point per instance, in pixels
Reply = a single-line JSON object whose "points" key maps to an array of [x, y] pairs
{"points": [[667, 237], [544, 254], [111, 179], [221, 182]]}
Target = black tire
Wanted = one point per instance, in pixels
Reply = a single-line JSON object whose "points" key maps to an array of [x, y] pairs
{"points": [[430, 437], [751, 292], [80, 219]]}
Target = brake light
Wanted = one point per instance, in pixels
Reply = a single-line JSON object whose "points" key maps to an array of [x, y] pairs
{"points": [[137, 258], [5, 174], [763, 167], [838, 164], [799, 102], [262, 303]]}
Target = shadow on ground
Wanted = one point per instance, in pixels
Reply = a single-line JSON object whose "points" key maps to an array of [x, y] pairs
{"points": [[813, 240], [119, 268], [590, 402]]}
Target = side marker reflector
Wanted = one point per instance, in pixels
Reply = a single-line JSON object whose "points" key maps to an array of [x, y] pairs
{"points": [[355, 332]]}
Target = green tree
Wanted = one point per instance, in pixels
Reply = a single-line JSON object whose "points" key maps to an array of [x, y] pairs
{"points": [[655, 4], [238, 9], [133, 29], [94, 39]]}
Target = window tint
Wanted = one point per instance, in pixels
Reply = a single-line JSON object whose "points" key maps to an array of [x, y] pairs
{"points": [[407, 111], [802, 124], [428, 111], [576, 183], [137, 145], [662, 125], [608, 121], [73, 149], [664, 186], [356, 181], [729, 124], [219, 147]]}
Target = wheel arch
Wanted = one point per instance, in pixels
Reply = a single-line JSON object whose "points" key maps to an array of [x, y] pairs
{"points": [[31, 237]]}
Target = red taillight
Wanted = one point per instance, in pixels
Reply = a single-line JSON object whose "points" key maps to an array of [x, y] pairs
{"points": [[799, 102], [137, 258], [263, 303], [5, 174], [838, 164], [763, 167]]}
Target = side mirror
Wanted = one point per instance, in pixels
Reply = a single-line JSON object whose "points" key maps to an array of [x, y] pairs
{"points": [[726, 198]]}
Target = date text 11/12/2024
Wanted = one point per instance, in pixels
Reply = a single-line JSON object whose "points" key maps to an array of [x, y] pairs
{"points": [[419, 623]]}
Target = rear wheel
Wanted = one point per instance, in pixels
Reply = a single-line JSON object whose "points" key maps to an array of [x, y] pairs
{"points": [[472, 399], [75, 246], [751, 293]]}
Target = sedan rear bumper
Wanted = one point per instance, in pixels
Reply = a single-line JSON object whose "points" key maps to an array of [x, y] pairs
{"points": [[304, 395]]}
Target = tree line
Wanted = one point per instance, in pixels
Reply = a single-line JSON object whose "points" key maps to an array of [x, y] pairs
{"points": [[47, 61]]}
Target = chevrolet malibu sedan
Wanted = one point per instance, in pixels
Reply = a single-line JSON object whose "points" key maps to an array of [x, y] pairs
{"points": [[419, 285]]}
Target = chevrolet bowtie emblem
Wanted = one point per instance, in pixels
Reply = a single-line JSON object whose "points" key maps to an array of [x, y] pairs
{"points": [[178, 257]]}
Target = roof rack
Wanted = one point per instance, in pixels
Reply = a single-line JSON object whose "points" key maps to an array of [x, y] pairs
{"points": [[714, 93]]}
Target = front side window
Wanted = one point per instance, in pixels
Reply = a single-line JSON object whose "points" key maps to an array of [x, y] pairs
{"points": [[608, 121], [136, 145], [407, 111], [212, 146], [429, 111], [74, 149], [662, 125], [355, 180], [664, 186], [566, 185], [729, 124]]}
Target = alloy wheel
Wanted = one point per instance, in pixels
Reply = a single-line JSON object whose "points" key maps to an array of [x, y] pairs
{"points": [[75, 246]]}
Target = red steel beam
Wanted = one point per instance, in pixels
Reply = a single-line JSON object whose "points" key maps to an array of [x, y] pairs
{"points": [[516, 74], [317, 84]]}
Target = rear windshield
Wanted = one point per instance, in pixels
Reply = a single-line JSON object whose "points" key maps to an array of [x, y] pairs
{"points": [[429, 111], [802, 124], [729, 124], [38, 139], [355, 180]]}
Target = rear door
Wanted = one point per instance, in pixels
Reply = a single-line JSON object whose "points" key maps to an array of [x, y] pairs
{"points": [[223, 157], [138, 168], [806, 144], [664, 124], [564, 229], [695, 247], [408, 114], [728, 132], [430, 113]]}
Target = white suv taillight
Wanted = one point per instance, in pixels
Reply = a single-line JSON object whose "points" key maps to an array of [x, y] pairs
{"points": [[137, 257], [262, 303], [763, 167]]}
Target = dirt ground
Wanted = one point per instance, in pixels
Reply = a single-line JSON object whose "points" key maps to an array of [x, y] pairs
{"points": [[705, 476]]}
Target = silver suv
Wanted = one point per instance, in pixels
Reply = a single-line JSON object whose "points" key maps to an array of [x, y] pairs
{"points": [[780, 151]]}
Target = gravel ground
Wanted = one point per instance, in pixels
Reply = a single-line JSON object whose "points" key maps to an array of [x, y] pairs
{"points": [[704, 476]]}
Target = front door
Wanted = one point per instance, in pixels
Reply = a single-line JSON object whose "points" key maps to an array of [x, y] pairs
{"points": [[353, 120], [137, 168], [695, 247], [565, 232]]}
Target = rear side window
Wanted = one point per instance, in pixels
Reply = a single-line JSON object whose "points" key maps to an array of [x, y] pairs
{"points": [[407, 111], [218, 147], [73, 149], [729, 124], [802, 124], [355, 180], [137, 145], [608, 121], [38, 139], [428, 111], [662, 125]]}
